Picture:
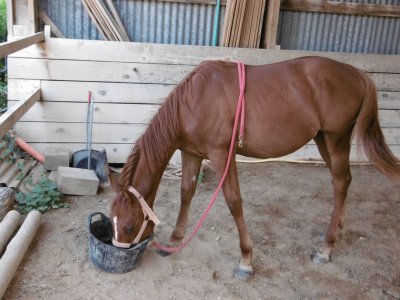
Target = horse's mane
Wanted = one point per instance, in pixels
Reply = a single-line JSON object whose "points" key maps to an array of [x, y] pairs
{"points": [[156, 143]]}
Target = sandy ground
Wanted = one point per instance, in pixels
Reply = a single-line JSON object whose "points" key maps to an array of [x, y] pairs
{"points": [[287, 207]]}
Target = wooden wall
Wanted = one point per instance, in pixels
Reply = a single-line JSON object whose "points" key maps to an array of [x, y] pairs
{"points": [[130, 81]]}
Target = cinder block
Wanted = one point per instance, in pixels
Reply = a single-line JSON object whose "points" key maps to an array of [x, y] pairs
{"points": [[74, 181], [55, 157]]}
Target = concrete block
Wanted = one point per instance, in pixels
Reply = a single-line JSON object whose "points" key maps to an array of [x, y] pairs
{"points": [[74, 181], [55, 157]]}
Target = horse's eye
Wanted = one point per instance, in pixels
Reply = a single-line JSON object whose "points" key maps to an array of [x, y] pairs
{"points": [[128, 230]]}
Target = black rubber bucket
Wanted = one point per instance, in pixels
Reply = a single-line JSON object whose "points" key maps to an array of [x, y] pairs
{"points": [[104, 255]]}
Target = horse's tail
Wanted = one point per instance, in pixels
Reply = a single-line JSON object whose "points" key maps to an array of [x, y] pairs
{"points": [[369, 134]]}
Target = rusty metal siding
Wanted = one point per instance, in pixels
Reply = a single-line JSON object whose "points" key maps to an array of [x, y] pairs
{"points": [[145, 21], [340, 33]]}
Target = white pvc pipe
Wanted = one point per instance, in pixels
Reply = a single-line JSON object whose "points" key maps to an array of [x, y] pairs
{"points": [[16, 249], [8, 226]]}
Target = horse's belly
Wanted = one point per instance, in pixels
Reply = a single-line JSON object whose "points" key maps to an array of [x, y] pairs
{"points": [[276, 142]]}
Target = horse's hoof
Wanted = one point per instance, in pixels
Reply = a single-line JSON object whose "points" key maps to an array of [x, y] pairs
{"points": [[242, 273], [163, 253], [320, 258]]}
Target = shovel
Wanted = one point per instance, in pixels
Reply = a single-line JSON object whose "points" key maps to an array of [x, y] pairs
{"points": [[88, 158]]}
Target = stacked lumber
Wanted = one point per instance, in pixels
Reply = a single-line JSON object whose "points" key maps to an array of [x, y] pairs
{"points": [[106, 19], [243, 23]]}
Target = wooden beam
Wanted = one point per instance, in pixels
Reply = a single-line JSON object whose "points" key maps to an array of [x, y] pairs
{"points": [[271, 25], [10, 17], [342, 8], [11, 47], [32, 16], [8, 119], [45, 18], [209, 2], [118, 20], [91, 15]]}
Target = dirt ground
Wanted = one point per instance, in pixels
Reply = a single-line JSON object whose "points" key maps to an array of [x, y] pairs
{"points": [[287, 208]]}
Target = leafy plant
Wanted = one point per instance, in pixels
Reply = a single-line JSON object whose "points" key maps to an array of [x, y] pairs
{"points": [[43, 197], [9, 150], [44, 194], [3, 19]]}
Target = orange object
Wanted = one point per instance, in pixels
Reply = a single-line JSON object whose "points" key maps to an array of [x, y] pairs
{"points": [[27, 148]]}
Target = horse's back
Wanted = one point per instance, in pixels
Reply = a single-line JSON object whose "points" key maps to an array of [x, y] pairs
{"points": [[287, 103]]}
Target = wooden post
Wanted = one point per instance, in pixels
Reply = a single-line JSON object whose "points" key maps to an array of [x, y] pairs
{"points": [[23, 17], [271, 25], [16, 249], [10, 17], [8, 226]]}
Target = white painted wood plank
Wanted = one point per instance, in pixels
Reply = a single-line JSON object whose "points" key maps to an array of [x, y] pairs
{"points": [[76, 112], [77, 91], [192, 55]]}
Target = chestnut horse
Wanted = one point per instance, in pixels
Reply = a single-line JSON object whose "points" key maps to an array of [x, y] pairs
{"points": [[287, 105]]}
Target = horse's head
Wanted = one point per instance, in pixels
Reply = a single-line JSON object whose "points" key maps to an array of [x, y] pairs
{"points": [[128, 218]]}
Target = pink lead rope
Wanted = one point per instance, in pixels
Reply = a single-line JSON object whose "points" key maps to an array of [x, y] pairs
{"points": [[239, 113]]}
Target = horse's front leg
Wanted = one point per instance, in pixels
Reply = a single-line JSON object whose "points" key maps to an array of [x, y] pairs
{"points": [[234, 201], [190, 171]]}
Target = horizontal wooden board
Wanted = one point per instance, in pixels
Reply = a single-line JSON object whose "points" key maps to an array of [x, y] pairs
{"points": [[42, 132], [361, 9], [75, 112], [71, 49], [389, 118], [44, 69], [118, 153], [8, 48], [36, 132], [389, 100], [386, 82], [77, 91]]}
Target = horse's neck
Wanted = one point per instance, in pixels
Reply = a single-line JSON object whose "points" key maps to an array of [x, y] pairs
{"points": [[147, 180]]}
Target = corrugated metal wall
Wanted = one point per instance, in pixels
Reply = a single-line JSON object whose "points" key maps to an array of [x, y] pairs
{"points": [[145, 21], [192, 24], [340, 33]]}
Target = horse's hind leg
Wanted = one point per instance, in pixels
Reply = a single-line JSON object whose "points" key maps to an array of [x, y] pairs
{"points": [[190, 171], [335, 149], [323, 150], [234, 201]]}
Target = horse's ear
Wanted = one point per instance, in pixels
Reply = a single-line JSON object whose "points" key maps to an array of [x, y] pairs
{"points": [[114, 183]]}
